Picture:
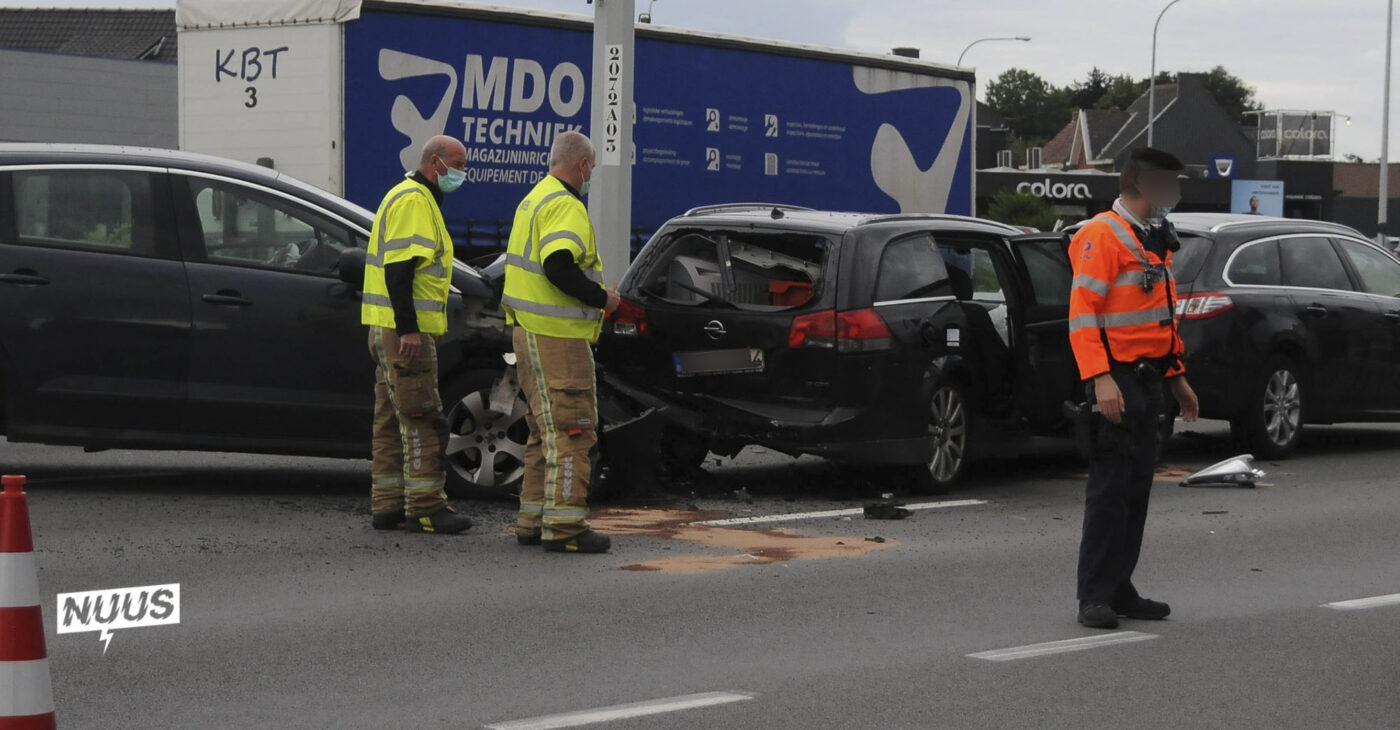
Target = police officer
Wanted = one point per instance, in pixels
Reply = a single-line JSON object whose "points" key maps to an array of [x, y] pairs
{"points": [[1123, 331], [407, 278], [555, 298]]}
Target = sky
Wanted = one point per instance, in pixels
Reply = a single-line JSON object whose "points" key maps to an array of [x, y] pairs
{"points": [[1297, 54]]}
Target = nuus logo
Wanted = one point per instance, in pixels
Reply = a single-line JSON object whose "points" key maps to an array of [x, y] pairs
{"points": [[118, 608]]}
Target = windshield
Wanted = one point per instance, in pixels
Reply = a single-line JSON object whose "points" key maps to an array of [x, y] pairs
{"points": [[744, 270]]}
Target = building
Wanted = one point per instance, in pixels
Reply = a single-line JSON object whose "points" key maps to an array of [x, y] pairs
{"points": [[86, 75]]}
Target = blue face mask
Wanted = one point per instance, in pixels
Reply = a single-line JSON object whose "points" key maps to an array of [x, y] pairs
{"points": [[452, 179]]}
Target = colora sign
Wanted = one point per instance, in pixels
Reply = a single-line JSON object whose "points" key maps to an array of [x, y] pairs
{"points": [[1047, 189]]}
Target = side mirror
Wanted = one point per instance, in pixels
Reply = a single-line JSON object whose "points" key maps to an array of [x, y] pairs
{"points": [[351, 268]]}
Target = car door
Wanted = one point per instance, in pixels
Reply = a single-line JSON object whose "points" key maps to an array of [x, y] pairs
{"points": [[1346, 333], [278, 355], [96, 321], [1378, 275], [1047, 373], [916, 296]]}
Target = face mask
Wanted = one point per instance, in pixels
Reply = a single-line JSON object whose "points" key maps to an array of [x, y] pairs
{"points": [[452, 179], [583, 189]]}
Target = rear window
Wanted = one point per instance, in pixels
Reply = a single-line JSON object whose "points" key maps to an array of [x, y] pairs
{"points": [[746, 270], [1188, 260]]}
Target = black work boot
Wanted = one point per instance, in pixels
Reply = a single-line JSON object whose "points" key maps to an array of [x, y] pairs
{"points": [[587, 541], [1143, 609], [529, 538], [1097, 616], [387, 520], [445, 521]]}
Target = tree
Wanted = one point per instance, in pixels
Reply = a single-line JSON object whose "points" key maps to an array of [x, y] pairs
{"points": [[1232, 93], [1034, 109], [1122, 91], [1021, 209], [1086, 94]]}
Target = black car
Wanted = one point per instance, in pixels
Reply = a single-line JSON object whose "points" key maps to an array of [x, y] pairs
{"points": [[1287, 322], [904, 340], [162, 300]]}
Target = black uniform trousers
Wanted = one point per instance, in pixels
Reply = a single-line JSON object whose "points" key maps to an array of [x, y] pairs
{"points": [[1120, 480]]}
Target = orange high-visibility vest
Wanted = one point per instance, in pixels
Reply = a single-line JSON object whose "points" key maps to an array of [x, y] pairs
{"points": [[1111, 317]]}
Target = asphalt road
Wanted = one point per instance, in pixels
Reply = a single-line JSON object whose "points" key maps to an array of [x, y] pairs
{"points": [[294, 613]]}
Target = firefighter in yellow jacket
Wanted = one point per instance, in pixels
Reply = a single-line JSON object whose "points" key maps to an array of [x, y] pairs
{"points": [[408, 273], [555, 298], [1122, 328]]}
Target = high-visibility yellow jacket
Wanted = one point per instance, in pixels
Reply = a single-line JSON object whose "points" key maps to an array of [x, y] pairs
{"points": [[1112, 317], [409, 225], [550, 219]]}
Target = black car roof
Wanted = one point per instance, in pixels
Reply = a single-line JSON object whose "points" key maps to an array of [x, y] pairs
{"points": [[826, 221], [41, 153]]}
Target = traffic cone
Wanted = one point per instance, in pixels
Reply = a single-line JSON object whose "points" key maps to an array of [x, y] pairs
{"points": [[26, 697]]}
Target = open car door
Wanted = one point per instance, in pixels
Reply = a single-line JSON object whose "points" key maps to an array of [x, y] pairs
{"points": [[1048, 375]]}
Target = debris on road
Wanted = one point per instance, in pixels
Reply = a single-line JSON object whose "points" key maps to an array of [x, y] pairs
{"points": [[1236, 471], [888, 510]]}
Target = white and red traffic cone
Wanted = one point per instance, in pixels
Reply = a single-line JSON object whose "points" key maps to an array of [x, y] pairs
{"points": [[26, 696]]}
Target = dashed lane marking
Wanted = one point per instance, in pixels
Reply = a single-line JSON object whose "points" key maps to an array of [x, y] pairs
{"points": [[795, 516], [1358, 604], [624, 712], [1060, 647]]}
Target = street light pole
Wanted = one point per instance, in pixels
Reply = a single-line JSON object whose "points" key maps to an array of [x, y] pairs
{"points": [[1152, 79], [981, 40], [1384, 204]]}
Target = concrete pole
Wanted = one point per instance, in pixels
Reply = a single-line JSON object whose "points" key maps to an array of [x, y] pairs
{"points": [[1384, 202], [610, 194]]}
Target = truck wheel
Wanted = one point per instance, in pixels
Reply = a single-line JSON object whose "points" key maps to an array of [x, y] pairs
{"points": [[1273, 423], [485, 450], [950, 431]]}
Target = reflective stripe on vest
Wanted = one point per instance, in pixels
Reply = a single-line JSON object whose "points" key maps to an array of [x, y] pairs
{"points": [[1156, 315], [1127, 240], [519, 261], [588, 314], [530, 242], [420, 305]]}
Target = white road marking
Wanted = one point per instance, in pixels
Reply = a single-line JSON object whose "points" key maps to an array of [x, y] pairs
{"points": [[761, 519], [1363, 603], [624, 712], [1060, 647]]}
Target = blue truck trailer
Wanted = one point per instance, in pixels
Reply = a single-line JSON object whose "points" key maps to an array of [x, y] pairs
{"points": [[343, 93]]}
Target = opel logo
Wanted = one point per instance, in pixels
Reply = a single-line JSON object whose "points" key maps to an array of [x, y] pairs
{"points": [[715, 329]]}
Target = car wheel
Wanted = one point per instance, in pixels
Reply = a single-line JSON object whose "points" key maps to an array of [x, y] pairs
{"points": [[485, 450], [949, 428], [1273, 425]]}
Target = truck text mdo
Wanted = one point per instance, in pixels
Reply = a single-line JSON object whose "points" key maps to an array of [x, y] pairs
{"points": [[343, 94]]}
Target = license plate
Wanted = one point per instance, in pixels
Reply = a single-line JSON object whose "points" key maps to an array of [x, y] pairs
{"points": [[719, 362]]}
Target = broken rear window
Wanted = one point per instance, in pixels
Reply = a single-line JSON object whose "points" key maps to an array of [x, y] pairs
{"points": [[764, 272]]}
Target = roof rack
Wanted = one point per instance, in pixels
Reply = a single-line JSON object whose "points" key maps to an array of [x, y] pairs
{"points": [[725, 207], [1259, 221], [939, 217]]}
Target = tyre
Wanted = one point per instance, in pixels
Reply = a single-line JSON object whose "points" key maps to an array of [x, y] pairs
{"points": [[949, 430], [485, 450], [1273, 422], [682, 452]]}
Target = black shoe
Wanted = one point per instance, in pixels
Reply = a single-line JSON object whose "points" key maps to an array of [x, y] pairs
{"points": [[529, 539], [387, 520], [1144, 609], [1098, 616], [445, 521], [587, 541]]}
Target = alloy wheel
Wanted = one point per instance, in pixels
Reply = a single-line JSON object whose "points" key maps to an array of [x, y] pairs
{"points": [[1283, 405], [948, 430], [484, 447]]}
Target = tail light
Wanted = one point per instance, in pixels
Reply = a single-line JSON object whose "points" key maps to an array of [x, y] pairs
{"points": [[858, 330], [628, 320], [1203, 305]]}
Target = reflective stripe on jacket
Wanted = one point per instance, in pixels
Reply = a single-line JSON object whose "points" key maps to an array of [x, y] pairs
{"points": [[1107, 303], [550, 219], [409, 226]]}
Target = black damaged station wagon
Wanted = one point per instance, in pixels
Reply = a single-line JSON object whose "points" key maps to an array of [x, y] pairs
{"points": [[909, 341]]}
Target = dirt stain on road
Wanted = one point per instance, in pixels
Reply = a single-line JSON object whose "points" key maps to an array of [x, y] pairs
{"points": [[756, 547]]}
